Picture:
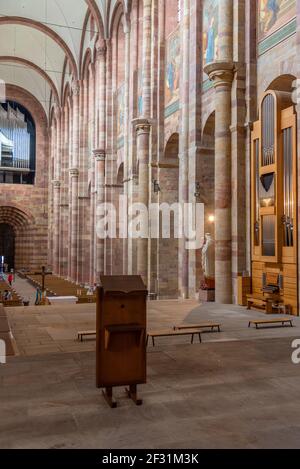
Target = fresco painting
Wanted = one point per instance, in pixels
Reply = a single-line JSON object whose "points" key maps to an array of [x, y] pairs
{"points": [[172, 68], [210, 30], [273, 14]]}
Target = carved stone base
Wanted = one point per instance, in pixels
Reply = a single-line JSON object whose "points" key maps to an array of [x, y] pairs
{"points": [[207, 296]]}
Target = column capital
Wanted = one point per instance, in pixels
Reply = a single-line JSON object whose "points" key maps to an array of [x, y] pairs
{"points": [[220, 73], [142, 126], [249, 125], [76, 87], [101, 49], [99, 155], [74, 172], [56, 184]]}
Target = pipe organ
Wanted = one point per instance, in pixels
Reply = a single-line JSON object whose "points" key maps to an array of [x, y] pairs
{"points": [[273, 194], [14, 139]]}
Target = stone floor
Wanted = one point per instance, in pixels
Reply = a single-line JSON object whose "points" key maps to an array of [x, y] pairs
{"points": [[238, 389]]}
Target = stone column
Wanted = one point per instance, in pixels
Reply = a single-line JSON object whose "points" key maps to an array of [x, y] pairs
{"points": [[100, 199], [74, 175], [251, 107], [57, 191], [183, 260], [238, 150], [221, 73], [147, 20], [143, 128], [222, 78], [56, 216], [101, 84], [127, 129], [99, 155], [197, 168]]}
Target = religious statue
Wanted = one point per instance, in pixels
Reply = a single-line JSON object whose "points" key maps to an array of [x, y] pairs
{"points": [[208, 263]]}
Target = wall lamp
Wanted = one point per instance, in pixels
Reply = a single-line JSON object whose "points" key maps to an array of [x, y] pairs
{"points": [[156, 187], [197, 190]]}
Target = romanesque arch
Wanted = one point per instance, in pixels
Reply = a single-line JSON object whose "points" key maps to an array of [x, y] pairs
{"points": [[205, 184], [22, 224], [169, 195]]}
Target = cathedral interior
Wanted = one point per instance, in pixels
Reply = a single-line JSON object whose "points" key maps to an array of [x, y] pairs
{"points": [[151, 141]]}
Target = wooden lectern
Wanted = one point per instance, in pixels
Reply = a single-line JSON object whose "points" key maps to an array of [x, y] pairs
{"points": [[121, 335]]}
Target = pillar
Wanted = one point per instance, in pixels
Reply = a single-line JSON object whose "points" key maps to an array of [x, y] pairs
{"points": [[143, 128], [74, 179], [100, 199], [74, 176], [183, 260], [127, 32], [238, 150], [99, 154], [221, 73], [56, 225]]}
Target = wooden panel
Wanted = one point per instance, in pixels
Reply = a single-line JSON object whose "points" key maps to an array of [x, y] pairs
{"points": [[244, 288], [121, 331]]}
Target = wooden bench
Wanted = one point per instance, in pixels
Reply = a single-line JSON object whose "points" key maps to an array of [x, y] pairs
{"points": [[173, 333], [209, 325], [263, 303], [279, 321], [82, 334]]}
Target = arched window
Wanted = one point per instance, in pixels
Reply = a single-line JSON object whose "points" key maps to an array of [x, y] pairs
{"points": [[17, 144]]}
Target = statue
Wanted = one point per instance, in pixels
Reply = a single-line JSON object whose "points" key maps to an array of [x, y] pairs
{"points": [[208, 263]]}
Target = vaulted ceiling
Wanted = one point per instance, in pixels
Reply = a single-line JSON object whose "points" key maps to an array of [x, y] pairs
{"points": [[37, 37]]}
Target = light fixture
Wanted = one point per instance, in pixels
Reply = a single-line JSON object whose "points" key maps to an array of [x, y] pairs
{"points": [[197, 190], [211, 218], [156, 187]]}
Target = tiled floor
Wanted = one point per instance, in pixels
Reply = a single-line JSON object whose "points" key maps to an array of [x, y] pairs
{"points": [[237, 389]]}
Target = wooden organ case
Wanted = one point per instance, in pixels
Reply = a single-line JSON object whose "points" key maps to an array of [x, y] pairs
{"points": [[274, 196]]}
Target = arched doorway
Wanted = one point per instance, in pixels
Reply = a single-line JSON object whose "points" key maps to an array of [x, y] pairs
{"points": [[7, 246], [17, 242], [205, 186], [169, 195]]}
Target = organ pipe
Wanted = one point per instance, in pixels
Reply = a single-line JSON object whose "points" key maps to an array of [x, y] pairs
{"points": [[13, 128]]}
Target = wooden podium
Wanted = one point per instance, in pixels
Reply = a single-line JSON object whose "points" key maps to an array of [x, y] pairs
{"points": [[121, 335]]}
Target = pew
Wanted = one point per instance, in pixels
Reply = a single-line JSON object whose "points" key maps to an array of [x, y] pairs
{"points": [[206, 325], [265, 322], [57, 286], [174, 333]]}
